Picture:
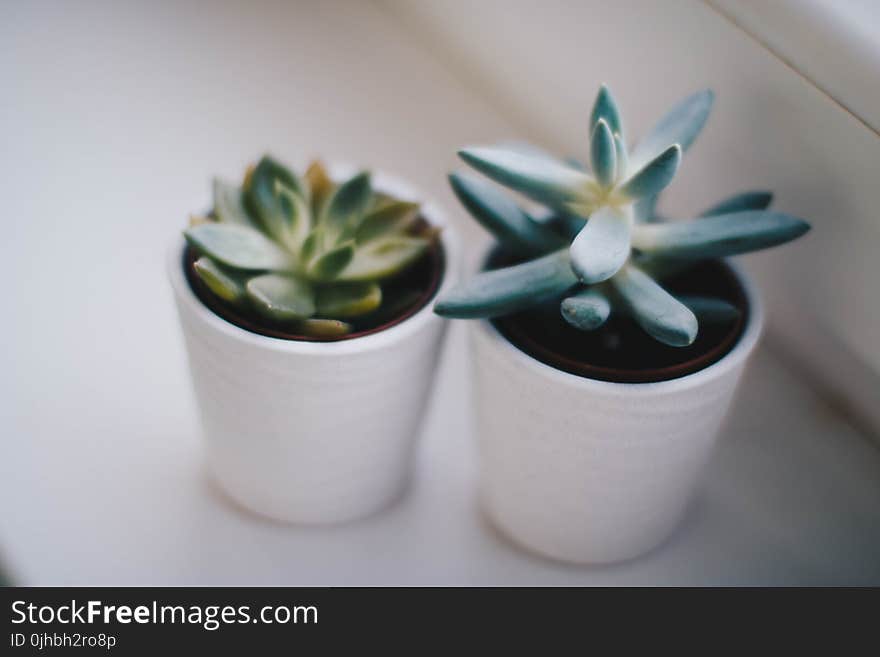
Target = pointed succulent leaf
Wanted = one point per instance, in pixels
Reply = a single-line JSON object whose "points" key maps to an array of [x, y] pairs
{"points": [[502, 217], [348, 299], [710, 310], [602, 246], [503, 291], [680, 125], [718, 236], [382, 258], [645, 209], [654, 176], [660, 314], [392, 217], [622, 157], [327, 266], [310, 246], [603, 155], [323, 328], [605, 107], [269, 169], [320, 186], [553, 183], [248, 179], [586, 310], [346, 207], [528, 149], [239, 246], [380, 199], [229, 204], [297, 217], [756, 200], [228, 284], [281, 297], [263, 195]]}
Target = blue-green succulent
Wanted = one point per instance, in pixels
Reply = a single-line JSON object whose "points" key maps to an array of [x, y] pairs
{"points": [[602, 248], [304, 253]]}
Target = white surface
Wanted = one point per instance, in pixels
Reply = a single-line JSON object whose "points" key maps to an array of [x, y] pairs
{"points": [[314, 432], [771, 128], [114, 120], [589, 471]]}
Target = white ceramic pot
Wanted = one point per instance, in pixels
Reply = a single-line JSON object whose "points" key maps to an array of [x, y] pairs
{"points": [[588, 471], [312, 432]]}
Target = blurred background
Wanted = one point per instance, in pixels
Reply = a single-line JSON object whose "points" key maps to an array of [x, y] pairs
{"points": [[115, 116]]}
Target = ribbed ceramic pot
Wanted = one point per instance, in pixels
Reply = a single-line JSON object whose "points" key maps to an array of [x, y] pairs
{"points": [[313, 432], [589, 471]]}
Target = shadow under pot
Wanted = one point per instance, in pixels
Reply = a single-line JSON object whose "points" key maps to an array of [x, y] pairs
{"points": [[592, 443], [309, 431]]}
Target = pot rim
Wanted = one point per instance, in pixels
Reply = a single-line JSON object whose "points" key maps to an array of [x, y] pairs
{"points": [[383, 182], [737, 355]]}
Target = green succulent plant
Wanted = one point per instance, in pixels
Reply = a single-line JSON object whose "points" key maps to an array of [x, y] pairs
{"points": [[304, 252], [603, 247]]}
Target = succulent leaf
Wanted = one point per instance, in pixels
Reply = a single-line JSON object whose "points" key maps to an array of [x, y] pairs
{"points": [[660, 314], [393, 217], [622, 157], [503, 291], [605, 107], [654, 176], [310, 246], [501, 216], [602, 246], [228, 284], [603, 154], [327, 266], [528, 149], [229, 204], [718, 236], [248, 179], [269, 169], [239, 246], [755, 200], [346, 207], [348, 300], [282, 297], [320, 186], [264, 199], [680, 125], [587, 310], [710, 310], [382, 258], [645, 209], [323, 328], [545, 181], [297, 217]]}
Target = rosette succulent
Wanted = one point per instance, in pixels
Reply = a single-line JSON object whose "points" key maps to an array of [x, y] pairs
{"points": [[304, 253], [602, 248]]}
